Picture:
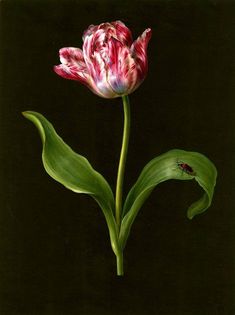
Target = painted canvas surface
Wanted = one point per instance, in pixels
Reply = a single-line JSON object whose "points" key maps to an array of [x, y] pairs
{"points": [[55, 256]]}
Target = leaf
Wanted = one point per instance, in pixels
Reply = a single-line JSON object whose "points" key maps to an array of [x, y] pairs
{"points": [[73, 170], [174, 164]]}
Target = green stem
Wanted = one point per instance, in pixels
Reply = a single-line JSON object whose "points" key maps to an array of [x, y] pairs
{"points": [[122, 161], [119, 258]]}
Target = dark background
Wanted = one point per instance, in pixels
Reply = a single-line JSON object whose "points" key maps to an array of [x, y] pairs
{"points": [[55, 255]]}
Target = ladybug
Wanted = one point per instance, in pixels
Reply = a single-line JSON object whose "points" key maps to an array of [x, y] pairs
{"points": [[186, 168]]}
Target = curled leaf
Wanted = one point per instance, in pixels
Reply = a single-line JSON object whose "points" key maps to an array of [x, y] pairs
{"points": [[174, 164]]}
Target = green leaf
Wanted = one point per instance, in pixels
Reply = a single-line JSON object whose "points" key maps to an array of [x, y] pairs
{"points": [[174, 164], [73, 170]]}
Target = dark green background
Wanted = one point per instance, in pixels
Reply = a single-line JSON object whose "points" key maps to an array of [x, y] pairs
{"points": [[55, 255]]}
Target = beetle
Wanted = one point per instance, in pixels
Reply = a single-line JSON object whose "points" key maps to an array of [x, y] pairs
{"points": [[186, 168]]}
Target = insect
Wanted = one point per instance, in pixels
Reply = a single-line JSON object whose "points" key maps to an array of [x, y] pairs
{"points": [[186, 168]]}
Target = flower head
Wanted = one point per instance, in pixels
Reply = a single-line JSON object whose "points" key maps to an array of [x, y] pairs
{"points": [[110, 63]]}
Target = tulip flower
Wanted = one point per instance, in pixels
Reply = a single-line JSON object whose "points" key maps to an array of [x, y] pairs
{"points": [[110, 63]]}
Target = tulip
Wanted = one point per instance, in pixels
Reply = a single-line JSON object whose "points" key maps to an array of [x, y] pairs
{"points": [[110, 63]]}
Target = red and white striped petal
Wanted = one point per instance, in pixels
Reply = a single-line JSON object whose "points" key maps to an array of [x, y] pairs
{"points": [[139, 52], [123, 33], [99, 78], [72, 65], [91, 29], [95, 54], [73, 57], [94, 68], [72, 74], [121, 70]]}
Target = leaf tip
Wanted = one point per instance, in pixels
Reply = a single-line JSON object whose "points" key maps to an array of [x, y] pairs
{"points": [[26, 114], [190, 216]]}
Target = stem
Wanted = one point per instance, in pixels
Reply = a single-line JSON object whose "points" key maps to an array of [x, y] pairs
{"points": [[122, 161], [120, 264]]}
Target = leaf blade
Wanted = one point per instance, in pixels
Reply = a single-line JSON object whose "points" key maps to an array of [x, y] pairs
{"points": [[165, 167], [74, 171]]}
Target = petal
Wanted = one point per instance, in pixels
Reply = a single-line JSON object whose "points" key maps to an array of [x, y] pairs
{"points": [[91, 29], [116, 29], [96, 55], [71, 56], [139, 51], [71, 73], [122, 72], [72, 65], [95, 60], [123, 33], [95, 68], [101, 84]]}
